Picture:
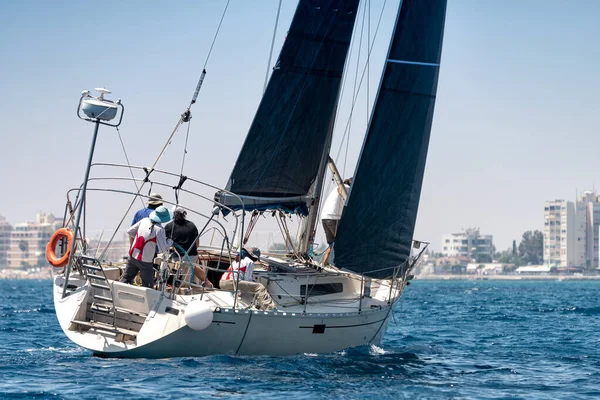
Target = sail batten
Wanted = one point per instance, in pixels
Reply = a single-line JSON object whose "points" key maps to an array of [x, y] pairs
{"points": [[283, 149], [413, 62], [375, 233]]}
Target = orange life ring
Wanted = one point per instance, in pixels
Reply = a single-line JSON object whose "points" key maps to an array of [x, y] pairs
{"points": [[51, 247]]}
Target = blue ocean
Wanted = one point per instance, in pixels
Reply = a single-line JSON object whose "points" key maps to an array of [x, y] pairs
{"points": [[448, 340]]}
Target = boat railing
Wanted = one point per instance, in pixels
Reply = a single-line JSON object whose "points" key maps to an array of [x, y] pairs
{"points": [[160, 179], [176, 275], [312, 279], [237, 215], [179, 186]]}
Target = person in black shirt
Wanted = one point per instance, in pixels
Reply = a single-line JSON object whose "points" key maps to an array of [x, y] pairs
{"points": [[184, 233]]}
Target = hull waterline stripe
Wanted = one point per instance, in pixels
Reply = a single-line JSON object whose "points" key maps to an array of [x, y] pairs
{"points": [[345, 326], [413, 62]]}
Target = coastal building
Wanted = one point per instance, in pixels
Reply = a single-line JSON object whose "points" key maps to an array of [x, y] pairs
{"points": [[571, 232], [116, 252], [533, 270], [552, 228], [592, 219], [564, 233], [28, 242], [468, 243], [486, 268], [5, 230], [450, 265]]}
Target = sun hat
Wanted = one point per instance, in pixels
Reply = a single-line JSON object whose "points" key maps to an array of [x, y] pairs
{"points": [[178, 210], [155, 200], [161, 215], [254, 253]]}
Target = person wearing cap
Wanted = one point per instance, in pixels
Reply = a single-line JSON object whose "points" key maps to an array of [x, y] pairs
{"points": [[244, 266], [184, 233], [147, 234], [154, 201], [331, 214]]}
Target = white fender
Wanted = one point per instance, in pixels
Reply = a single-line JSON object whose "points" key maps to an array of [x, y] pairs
{"points": [[198, 315]]}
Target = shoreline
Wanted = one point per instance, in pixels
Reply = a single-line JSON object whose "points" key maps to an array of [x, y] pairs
{"points": [[448, 277], [43, 274], [47, 274]]}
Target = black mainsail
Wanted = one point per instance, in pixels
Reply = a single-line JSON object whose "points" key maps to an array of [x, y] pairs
{"points": [[375, 232], [280, 158]]}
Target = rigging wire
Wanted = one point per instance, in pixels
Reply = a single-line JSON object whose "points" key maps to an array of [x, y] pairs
{"points": [[187, 135], [322, 199], [362, 27], [368, 54], [185, 117], [251, 224], [216, 34], [362, 76], [345, 73], [272, 45], [208, 55], [177, 126], [128, 163]]}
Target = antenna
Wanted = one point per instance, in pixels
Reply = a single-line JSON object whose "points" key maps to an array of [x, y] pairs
{"points": [[102, 92]]}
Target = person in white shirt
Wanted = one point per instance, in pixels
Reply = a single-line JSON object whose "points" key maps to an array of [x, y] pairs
{"points": [[330, 216], [148, 234], [244, 266]]}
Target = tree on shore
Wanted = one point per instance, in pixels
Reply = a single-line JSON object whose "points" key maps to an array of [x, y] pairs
{"points": [[529, 251], [509, 256], [531, 248]]}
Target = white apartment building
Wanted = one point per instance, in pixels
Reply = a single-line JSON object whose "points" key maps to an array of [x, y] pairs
{"points": [[468, 243], [565, 233], [592, 215], [552, 227], [28, 241], [5, 230]]}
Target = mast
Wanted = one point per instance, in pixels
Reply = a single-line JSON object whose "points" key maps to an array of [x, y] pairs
{"points": [[310, 222]]}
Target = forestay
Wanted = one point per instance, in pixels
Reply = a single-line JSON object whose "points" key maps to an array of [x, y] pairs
{"points": [[376, 229], [280, 158]]}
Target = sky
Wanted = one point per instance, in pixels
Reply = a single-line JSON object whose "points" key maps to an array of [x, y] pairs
{"points": [[515, 123]]}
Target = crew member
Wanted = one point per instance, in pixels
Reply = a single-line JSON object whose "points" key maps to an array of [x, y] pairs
{"points": [[244, 266], [331, 214], [146, 235], [184, 233]]}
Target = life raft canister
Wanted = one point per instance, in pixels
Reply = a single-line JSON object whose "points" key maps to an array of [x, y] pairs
{"points": [[51, 247]]}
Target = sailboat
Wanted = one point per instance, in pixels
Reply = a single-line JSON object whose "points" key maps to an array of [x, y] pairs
{"points": [[280, 171]]}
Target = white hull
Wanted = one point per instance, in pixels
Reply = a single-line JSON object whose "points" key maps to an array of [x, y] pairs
{"points": [[164, 331]]}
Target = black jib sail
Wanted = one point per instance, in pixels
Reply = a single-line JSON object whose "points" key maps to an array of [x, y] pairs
{"points": [[280, 158], [377, 225]]}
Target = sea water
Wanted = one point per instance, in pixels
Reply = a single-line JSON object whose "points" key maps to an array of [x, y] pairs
{"points": [[448, 339]]}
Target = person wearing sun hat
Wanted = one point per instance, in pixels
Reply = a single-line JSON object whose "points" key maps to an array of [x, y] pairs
{"points": [[147, 235], [244, 266], [155, 200]]}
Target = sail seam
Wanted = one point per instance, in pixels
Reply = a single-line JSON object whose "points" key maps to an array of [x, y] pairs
{"points": [[413, 62]]}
